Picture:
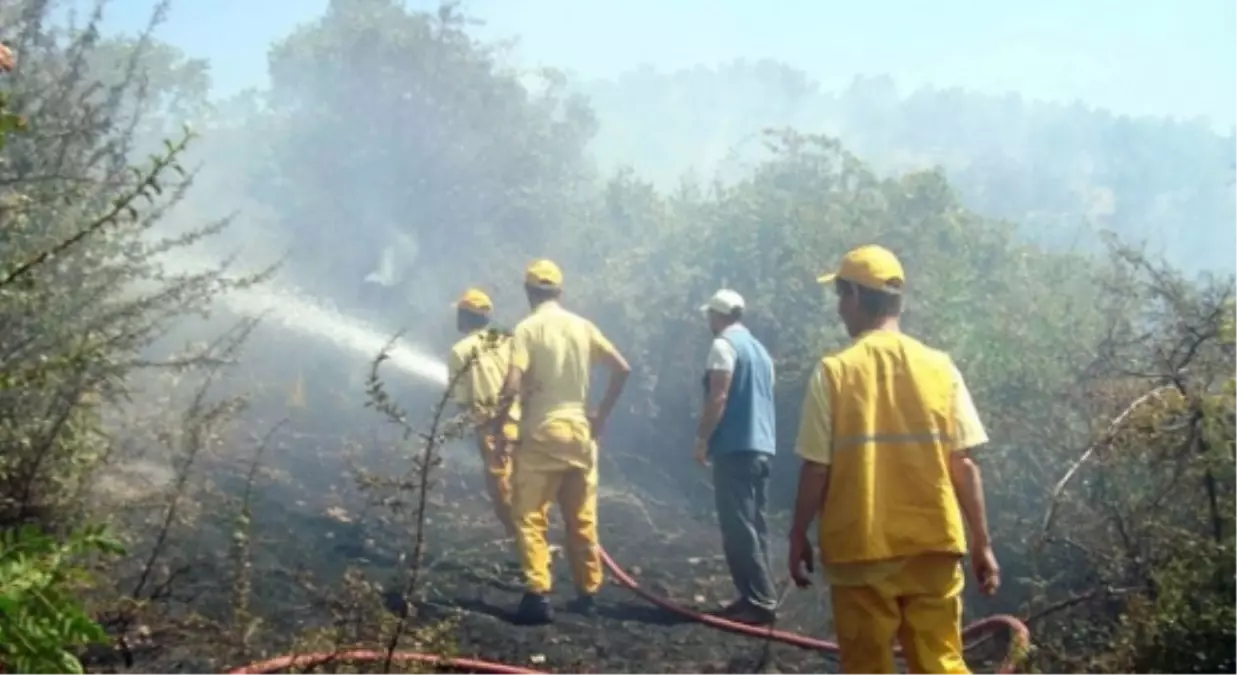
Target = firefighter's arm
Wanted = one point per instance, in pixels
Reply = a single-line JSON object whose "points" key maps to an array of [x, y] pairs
{"points": [[604, 352], [968, 485], [964, 473], [514, 380], [460, 389], [720, 371], [815, 447]]}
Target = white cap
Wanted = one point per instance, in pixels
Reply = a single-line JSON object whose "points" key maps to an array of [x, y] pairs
{"points": [[723, 302]]}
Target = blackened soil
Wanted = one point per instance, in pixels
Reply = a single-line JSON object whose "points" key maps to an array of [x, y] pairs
{"points": [[670, 553], [672, 549]]}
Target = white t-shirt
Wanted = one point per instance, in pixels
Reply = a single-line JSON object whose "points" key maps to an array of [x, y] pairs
{"points": [[722, 356]]}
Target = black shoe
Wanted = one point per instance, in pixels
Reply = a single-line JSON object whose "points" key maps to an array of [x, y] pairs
{"points": [[752, 615], [395, 603], [534, 610], [584, 604], [730, 610]]}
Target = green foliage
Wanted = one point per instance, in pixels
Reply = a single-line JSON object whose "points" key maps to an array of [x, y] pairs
{"points": [[770, 236], [40, 619], [9, 122], [1186, 630]]}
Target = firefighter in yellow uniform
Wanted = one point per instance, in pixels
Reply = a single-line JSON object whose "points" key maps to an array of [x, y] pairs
{"points": [[553, 350], [886, 436], [477, 387]]}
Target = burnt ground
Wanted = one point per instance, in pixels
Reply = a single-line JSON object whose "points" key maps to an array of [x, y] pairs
{"points": [[672, 549]]}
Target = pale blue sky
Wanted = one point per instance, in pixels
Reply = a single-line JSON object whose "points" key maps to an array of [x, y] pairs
{"points": [[1157, 57]]}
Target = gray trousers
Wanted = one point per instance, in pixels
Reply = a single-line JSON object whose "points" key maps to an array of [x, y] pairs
{"points": [[741, 485]]}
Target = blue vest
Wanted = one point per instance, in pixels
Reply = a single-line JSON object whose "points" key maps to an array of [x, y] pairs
{"points": [[748, 421]]}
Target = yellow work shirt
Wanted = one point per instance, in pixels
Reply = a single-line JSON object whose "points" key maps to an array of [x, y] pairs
{"points": [[815, 444], [478, 389], [555, 349]]}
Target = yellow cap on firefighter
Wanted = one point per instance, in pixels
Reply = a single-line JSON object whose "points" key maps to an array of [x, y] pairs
{"points": [[875, 267], [475, 301], [543, 274]]}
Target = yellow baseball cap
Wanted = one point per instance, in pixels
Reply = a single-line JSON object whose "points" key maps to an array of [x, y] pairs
{"points": [[875, 267], [476, 301], [544, 274]]}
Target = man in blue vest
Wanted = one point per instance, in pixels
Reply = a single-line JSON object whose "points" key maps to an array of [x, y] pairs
{"points": [[737, 436]]}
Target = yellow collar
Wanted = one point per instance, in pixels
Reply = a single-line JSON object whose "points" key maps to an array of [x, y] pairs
{"points": [[873, 331]]}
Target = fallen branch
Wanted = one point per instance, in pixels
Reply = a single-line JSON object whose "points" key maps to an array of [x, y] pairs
{"points": [[1109, 435]]}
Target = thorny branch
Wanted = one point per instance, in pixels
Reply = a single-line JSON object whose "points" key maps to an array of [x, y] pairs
{"points": [[148, 183], [198, 420], [421, 473], [242, 621]]}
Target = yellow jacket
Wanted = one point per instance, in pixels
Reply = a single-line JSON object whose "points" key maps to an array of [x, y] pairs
{"points": [[894, 426], [478, 389]]}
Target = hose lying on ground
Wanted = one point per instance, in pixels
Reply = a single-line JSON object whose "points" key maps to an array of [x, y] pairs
{"points": [[1020, 643]]}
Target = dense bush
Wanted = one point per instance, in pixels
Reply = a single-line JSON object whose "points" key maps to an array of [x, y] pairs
{"points": [[82, 297]]}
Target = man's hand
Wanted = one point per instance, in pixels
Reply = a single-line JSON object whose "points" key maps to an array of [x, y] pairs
{"points": [[702, 452], [7, 60], [800, 557], [596, 424], [987, 572]]}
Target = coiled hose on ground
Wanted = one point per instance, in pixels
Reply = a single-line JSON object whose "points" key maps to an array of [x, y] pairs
{"points": [[1021, 640]]}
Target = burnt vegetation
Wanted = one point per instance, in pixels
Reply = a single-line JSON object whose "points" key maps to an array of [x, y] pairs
{"points": [[181, 491]]}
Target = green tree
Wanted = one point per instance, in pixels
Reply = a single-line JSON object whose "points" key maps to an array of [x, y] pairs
{"points": [[769, 236], [450, 153]]}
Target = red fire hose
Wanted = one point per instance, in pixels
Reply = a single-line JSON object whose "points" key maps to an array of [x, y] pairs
{"points": [[1021, 640]]}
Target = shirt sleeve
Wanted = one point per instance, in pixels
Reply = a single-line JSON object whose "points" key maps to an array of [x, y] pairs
{"points": [[722, 356], [462, 391], [815, 442], [519, 348], [971, 432], [599, 346]]}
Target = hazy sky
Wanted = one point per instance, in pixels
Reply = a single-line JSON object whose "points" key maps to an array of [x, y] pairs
{"points": [[1158, 57]]}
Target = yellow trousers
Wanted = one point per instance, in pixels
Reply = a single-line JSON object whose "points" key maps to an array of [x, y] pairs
{"points": [[919, 604], [498, 475], [538, 482]]}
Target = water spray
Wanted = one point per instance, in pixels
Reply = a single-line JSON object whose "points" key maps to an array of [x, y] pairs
{"points": [[301, 314], [307, 316]]}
